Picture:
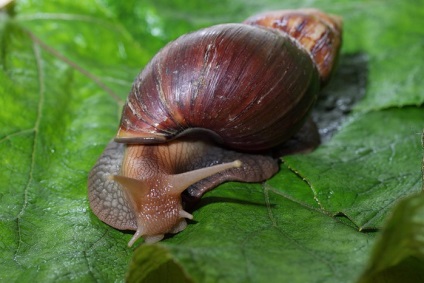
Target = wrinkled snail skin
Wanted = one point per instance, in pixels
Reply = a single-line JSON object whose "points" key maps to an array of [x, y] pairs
{"points": [[157, 200], [219, 104]]}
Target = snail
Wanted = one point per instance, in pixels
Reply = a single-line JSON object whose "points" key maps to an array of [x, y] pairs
{"points": [[215, 105]]}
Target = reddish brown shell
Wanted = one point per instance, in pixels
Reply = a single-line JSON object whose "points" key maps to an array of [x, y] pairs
{"points": [[251, 86], [319, 33]]}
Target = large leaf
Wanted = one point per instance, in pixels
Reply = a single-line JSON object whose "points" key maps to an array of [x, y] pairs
{"points": [[399, 254], [65, 70], [245, 233], [340, 181]]}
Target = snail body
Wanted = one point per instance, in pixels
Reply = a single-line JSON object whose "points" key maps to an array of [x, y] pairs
{"points": [[210, 107]]}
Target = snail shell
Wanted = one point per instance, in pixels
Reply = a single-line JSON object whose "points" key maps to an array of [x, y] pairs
{"points": [[208, 108], [319, 33], [234, 80]]}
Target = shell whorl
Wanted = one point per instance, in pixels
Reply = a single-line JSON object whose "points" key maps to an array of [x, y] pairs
{"points": [[319, 33], [253, 87]]}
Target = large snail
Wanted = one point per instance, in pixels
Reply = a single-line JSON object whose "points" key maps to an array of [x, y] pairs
{"points": [[212, 106]]}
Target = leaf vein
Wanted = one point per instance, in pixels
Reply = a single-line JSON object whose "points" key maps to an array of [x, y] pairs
{"points": [[275, 226], [76, 67], [41, 92], [18, 133]]}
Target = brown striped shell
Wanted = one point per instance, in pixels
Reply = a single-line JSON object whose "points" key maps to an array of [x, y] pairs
{"points": [[319, 33], [252, 87]]}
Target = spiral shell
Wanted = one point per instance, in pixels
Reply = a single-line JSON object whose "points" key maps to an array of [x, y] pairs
{"points": [[319, 33], [250, 86]]}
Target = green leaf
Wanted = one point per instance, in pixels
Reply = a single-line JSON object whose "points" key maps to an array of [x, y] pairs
{"points": [[65, 70], [251, 233], [363, 177], [399, 253], [156, 264], [388, 33]]}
